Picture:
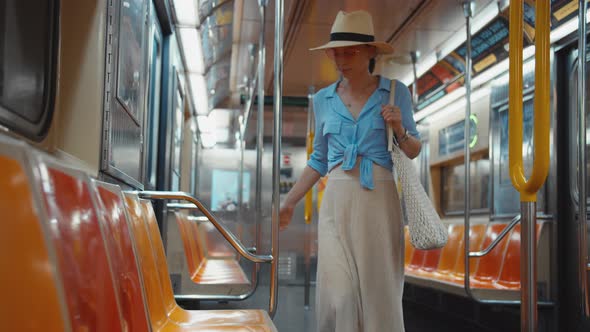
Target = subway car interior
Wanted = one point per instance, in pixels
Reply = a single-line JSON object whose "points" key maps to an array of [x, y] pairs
{"points": [[146, 147]]}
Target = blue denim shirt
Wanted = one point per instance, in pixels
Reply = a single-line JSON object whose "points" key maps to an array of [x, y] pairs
{"points": [[339, 138]]}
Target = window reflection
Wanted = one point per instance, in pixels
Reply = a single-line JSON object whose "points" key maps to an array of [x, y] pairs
{"points": [[453, 182], [131, 27], [527, 144]]}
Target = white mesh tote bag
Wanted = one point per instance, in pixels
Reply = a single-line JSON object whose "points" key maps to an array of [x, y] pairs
{"points": [[426, 229]]}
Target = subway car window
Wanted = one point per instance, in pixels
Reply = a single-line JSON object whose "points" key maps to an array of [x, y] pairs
{"points": [[130, 57], [453, 183], [177, 140], [28, 61]]}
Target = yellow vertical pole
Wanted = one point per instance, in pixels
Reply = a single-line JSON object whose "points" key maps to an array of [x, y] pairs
{"points": [[528, 188]]}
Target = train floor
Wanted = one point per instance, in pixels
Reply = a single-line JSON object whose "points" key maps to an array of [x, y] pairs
{"points": [[292, 316]]}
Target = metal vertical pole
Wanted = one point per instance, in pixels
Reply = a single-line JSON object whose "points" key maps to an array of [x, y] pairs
{"points": [[241, 176], [260, 123], [276, 150], [308, 200], [583, 244], [414, 56], [528, 270], [468, 12]]}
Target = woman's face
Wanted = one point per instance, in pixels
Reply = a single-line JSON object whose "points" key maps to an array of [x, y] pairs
{"points": [[351, 61]]}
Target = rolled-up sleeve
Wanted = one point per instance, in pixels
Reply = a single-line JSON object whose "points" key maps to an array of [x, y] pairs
{"points": [[318, 160], [404, 102]]}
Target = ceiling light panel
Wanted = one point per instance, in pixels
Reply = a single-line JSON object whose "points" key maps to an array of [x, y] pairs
{"points": [[186, 12], [192, 49], [199, 92]]}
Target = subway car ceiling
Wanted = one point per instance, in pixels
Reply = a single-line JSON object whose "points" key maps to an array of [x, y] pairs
{"points": [[220, 46], [208, 53]]}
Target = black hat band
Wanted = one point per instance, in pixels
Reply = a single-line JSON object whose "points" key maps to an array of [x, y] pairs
{"points": [[351, 36]]}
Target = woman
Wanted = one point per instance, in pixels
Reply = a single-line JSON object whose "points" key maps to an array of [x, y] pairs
{"points": [[360, 233]]}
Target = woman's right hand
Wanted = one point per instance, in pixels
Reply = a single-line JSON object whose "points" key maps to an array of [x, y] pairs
{"points": [[285, 216]]}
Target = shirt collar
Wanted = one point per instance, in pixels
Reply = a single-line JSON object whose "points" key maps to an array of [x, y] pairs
{"points": [[384, 84]]}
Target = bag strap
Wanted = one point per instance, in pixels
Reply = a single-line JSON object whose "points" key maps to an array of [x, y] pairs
{"points": [[390, 136]]}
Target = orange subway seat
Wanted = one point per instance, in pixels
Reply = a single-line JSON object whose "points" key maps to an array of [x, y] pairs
{"points": [[208, 270], [176, 313], [417, 260], [151, 282], [476, 236], [80, 250], [431, 259], [409, 250], [122, 255], [188, 250], [216, 245], [196, 241], [489, 266], [510, 276], [450, 253], [215, 271], [155, 297], [29, 282]]}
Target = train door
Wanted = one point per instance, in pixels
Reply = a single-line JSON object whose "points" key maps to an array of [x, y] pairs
{"points": [[570, 259], [151, 120]]}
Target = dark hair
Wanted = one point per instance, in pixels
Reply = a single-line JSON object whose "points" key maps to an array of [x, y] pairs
{"points": [[371, 65]]}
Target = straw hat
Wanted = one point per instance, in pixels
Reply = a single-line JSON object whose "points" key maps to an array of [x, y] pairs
{"points": [[354, 28]]}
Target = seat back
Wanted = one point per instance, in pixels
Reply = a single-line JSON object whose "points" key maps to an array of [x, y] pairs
{"points": [[32, 295], [417, 259], [191, 242], [450, 252], [80, 249], [188, 249], [431, 260], [122, 256], [147, 263], [196, 241], [510, 275], [476, 236], [489, 266], [409, 250], [160, 254], [216, 245]]}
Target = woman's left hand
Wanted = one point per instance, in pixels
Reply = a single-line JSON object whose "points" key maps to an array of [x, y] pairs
{"points": [[393, 117]]}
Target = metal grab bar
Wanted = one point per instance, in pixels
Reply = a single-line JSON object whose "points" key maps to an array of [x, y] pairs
{"points": [[227, 234], [582, 219], [528, 188], [503, 233], [497, 240], [276, 148], [309, 149], [467, 12], [308, 202]]}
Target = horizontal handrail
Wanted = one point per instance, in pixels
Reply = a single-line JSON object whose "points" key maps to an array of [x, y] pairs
{"points": [[227, 234]]}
